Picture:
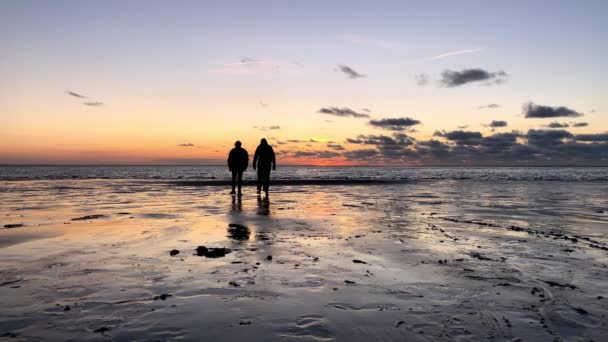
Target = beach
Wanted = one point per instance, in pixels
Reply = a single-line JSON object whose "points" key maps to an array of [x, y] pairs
{"points": [[420, 260]]}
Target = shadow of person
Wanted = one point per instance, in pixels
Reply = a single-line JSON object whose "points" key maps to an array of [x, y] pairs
{"points": [[264, 205], [237, 204]]}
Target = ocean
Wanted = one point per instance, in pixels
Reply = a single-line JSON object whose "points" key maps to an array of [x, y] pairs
{"points": [[304, 173]]}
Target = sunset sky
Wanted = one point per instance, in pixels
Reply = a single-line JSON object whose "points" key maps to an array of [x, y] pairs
{"points": [[177, 82]]}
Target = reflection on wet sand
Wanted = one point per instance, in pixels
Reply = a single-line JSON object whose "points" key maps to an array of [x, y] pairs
{"points": [[408, 262], [263, 205]]}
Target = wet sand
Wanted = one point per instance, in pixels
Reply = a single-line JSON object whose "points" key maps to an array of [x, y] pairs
{"points": [[427, 261]]}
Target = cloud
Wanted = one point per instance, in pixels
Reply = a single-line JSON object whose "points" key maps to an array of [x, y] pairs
{"points": [[335, 146], [461, 137], [558, 125], [497, 123], [267, 128], [534, 147], [93, 103], [463, 126], [422, 79], [395, 124], [360, 155], [314, 154], [592, 137], [450, 78], [350, 72], [343, 112], [547, 138], [532, 110], [455, 53], [580, 124], [76, 94], [186, 145], [388, 146], [490, 106], [253, 66]]}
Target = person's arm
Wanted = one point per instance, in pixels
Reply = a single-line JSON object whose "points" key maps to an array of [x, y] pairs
{"points": [[255, 157], [274, 161]]}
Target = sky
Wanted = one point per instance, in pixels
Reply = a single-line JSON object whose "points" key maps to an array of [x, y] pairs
{"points": [[326, 82]]}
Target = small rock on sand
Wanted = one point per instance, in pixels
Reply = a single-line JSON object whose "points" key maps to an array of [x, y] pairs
{"points": [[174, 252], [349, 282], [212, 252], [269, 258]]}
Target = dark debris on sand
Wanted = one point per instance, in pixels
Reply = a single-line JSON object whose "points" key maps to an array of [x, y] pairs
{"points": [[102, 330], [14, 225], [357, 261], [212, 252], [174, 252], [238, 232], [89, 217], [163, 296]]}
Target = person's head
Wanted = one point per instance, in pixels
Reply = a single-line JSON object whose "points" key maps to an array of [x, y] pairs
{"points": [[263, 142], [237, 143]]}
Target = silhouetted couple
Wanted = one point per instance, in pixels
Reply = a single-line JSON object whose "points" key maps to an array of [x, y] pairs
{"points": [[263, 160]]}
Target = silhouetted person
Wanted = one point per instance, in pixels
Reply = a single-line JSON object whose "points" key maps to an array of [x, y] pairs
{"points": [[238, 160], [264, 159]]}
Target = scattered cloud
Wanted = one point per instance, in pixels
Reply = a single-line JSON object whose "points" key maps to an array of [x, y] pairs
{"points": [[395, 124], [422, 79], [451, 78], [532, 110], [490, 106], [186, 145], [343, 112], [460, 137], [264, 105], [535, 147], [456, 53], [267, 128], [497, 123], [90, 103], [463, 127], [71, 93], [603, 137], [556, 124], [335, 146], [314, 154], [252, 66], [580, 124], [360, 155], [350, 72]]}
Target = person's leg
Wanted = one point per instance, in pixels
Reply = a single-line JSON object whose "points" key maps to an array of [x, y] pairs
{"points": [[240, 175], [266, 180], [234, 174], [260, 177]]}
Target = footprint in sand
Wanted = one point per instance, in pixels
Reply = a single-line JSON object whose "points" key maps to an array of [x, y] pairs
{"points": [[309, 327]]}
